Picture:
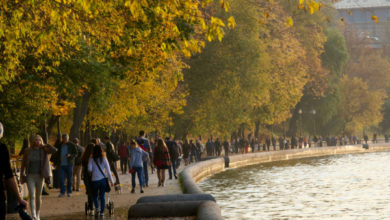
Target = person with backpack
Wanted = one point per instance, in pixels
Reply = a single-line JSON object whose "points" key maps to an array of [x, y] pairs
{"points": [[173, 149], [112, 158], [100, 171], [137, 158], [77, 166]]}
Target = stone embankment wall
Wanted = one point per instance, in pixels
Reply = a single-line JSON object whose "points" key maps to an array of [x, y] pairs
{"points": [[197, 172]]}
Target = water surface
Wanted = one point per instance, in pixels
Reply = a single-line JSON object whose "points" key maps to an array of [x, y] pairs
{"points": [[353, 186]]}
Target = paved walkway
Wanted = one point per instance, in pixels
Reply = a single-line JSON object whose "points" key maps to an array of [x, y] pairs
{"points": [[73, 207]]}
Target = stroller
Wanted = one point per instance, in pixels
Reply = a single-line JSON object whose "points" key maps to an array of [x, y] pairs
{"points": [[109, 206]]}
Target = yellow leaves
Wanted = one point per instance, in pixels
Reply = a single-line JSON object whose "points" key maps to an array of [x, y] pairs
{"points": [[224, 5], [374, 18], [231, 22], [215, 29], [342, 19], [310, 5], [136, 9], [290, 22]]}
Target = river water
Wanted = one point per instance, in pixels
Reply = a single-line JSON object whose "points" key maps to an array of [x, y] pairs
{"points": [[355, 186]]}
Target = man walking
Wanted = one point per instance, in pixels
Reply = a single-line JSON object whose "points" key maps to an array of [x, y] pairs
{"points": [[174, 154], [65, 156], [142, 140]]}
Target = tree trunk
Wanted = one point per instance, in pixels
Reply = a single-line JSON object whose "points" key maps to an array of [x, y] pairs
{"points": [[79, 114], [44, 133], [58, 129], [257, 129], [50, 125]]}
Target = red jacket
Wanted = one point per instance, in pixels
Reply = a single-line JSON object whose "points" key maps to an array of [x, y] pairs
{"points": [[123, 151]]}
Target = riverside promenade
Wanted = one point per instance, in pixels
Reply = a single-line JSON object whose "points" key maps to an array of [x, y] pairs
{"points": [[73, 207], [70, 208]]}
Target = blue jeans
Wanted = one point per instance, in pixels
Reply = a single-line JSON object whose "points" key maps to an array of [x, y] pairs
{"points": [[99, 189], [146, 174], [139, 171], [66, 172], [173, 166]]}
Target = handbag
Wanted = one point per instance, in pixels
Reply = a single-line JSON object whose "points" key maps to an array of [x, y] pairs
{"points": [[108, 187]]}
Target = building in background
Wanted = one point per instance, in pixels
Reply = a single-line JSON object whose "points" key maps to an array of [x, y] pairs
{"points": [[360, 24]]}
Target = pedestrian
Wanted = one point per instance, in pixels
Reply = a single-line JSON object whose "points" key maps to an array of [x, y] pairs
{"points": [[77, 165], [199, 150], [148, 148], [365, 138], [7, 178], [218, 147], [209, 147], [193, 150], [186, 152], [86, 175], [281, 143], [64, 160], [112, 158], [273, 143], [35, 168], [174, 155], [246, 146], [152, 144], [180, 151], [268, 143], [137, 158], [161, 160], [226, 147], [100, 168], [124, 157]]}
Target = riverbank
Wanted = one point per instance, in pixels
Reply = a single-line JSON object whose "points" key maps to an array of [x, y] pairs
{"points": [[197, 172]]}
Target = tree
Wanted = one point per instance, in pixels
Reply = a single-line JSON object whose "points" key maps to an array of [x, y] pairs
{"points": [[359, 107]]}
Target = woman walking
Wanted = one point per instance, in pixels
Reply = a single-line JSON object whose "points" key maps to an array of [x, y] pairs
{"points": [[97, 165], [137, 158], [35, 168], [86, 176], [161, 160]]}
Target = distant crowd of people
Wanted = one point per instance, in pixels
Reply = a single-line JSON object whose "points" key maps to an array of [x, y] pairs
{"points": [[96, 163]]}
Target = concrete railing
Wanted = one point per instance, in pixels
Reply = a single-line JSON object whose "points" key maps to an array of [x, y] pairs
{"points": [[195, 173]]}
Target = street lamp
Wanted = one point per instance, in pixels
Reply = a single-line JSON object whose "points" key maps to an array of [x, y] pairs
{"points": [[314, 120], [300, 118]]}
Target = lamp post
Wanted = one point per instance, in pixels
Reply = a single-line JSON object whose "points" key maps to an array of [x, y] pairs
{"points": [[314, 120], [300, 119]]}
